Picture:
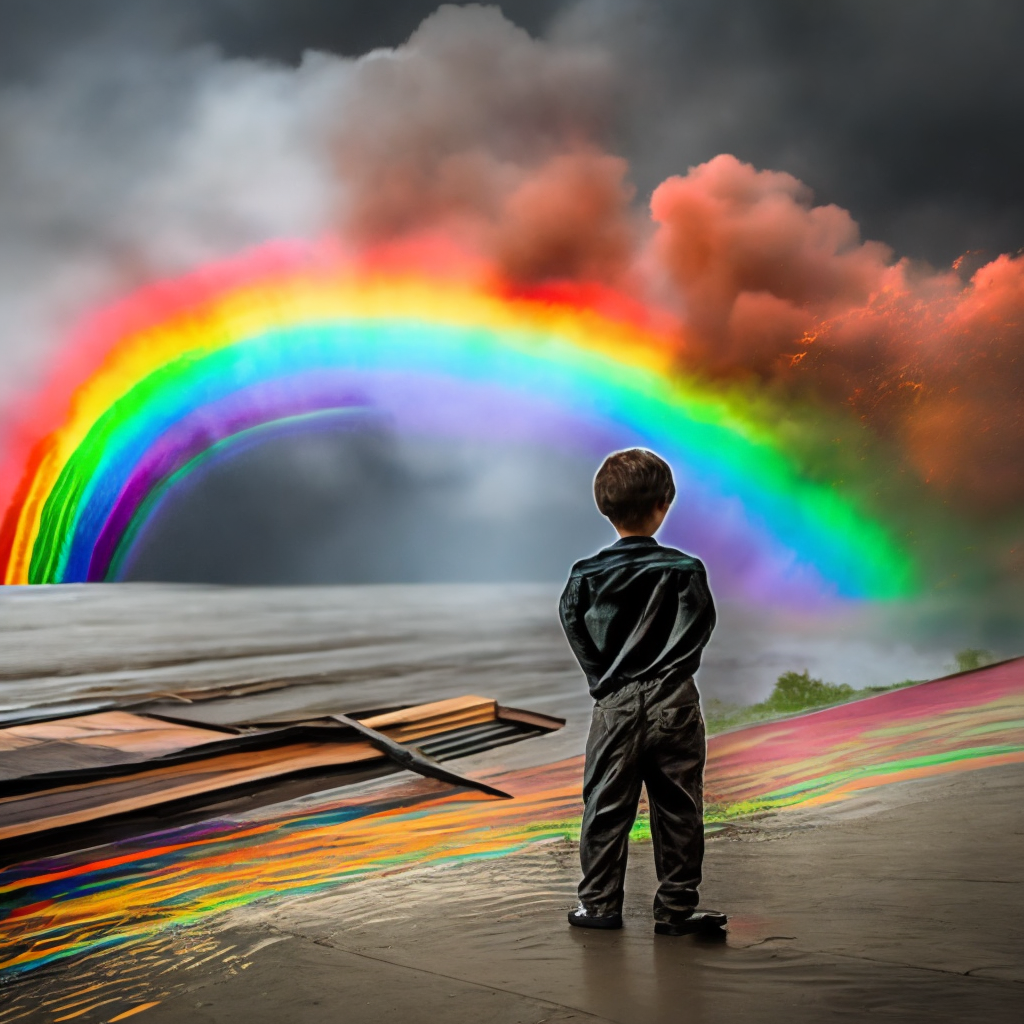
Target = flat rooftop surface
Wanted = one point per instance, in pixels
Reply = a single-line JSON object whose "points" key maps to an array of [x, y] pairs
{"points": [[868, 855], [905, 904]]}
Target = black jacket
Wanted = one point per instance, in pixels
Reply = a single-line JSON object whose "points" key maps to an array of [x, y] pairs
{"points": [[637, 611]]}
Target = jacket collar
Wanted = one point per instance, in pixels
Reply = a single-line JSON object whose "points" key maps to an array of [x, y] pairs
{"points": [[637, 542]]}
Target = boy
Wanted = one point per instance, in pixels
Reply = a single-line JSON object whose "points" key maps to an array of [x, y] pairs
{"points": [[637, 616]]}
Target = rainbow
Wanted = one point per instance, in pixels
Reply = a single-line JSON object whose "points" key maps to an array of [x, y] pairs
{"points": [[296, 336]]}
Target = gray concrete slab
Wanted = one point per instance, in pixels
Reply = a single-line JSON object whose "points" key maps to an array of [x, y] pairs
{"points": [[908, 906], [316, 983]]}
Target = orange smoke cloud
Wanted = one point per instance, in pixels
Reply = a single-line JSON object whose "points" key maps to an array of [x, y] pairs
{"points": [[754, 264], [766, 287], [569, 220], [775, 288]]}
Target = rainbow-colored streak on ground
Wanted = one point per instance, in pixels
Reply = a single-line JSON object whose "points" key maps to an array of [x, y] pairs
{"points": [[67, 906], [295, 334]]}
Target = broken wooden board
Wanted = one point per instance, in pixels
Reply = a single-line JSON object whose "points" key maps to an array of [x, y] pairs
{"points": [[52, 779]]}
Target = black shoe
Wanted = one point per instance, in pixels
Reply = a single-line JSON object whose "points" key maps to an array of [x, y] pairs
{"points": [[698, 921], [582, 918]]}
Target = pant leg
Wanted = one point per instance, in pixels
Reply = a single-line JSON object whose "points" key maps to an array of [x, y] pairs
{"points": [[611, 793], [672, 763]]}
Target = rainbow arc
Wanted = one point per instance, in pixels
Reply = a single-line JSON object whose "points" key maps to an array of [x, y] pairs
{"points": [[294, 335]]}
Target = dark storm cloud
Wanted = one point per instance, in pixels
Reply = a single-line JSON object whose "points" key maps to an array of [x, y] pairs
{"points": [[351, 27], [34, 34], [365, 506], [905, 113]]}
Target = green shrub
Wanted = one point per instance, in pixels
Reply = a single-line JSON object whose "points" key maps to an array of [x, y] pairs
{"points": [[796, 691], [971, 658]]}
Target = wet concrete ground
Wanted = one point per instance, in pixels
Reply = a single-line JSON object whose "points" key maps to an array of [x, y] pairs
{"points": [[906, 906]]}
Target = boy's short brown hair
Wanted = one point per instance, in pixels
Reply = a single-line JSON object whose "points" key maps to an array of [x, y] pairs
{"points": [[630, 485]]}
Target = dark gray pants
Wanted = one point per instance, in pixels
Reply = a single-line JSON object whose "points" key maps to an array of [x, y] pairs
{"points": [[651, 733]]}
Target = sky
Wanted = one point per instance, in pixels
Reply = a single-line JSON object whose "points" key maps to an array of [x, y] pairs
{"points": [[905, 114], [140, 139]]}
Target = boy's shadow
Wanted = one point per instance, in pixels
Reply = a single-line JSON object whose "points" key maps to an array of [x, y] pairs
{"points": [[641, 977]]}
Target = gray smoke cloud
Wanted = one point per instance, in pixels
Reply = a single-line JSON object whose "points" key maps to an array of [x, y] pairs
{"points": [[121, 164], [119, 169]]}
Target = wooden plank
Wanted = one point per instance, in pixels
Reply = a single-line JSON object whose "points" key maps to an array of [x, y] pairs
{"points": [[75, 804], [44, 756], [420, 712], [323, 755], [156, 741], [226, 762], [547, 722], [100, 723], [455, 714], [16, 742], [440, 717], [417, 761], [118, 730], [447, 715]]}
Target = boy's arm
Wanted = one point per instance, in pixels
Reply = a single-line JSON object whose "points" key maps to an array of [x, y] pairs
{"points": [[696, 598], [571, 608]]}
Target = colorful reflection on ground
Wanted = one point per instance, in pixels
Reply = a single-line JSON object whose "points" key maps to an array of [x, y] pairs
{"points": [[82, 904]]}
